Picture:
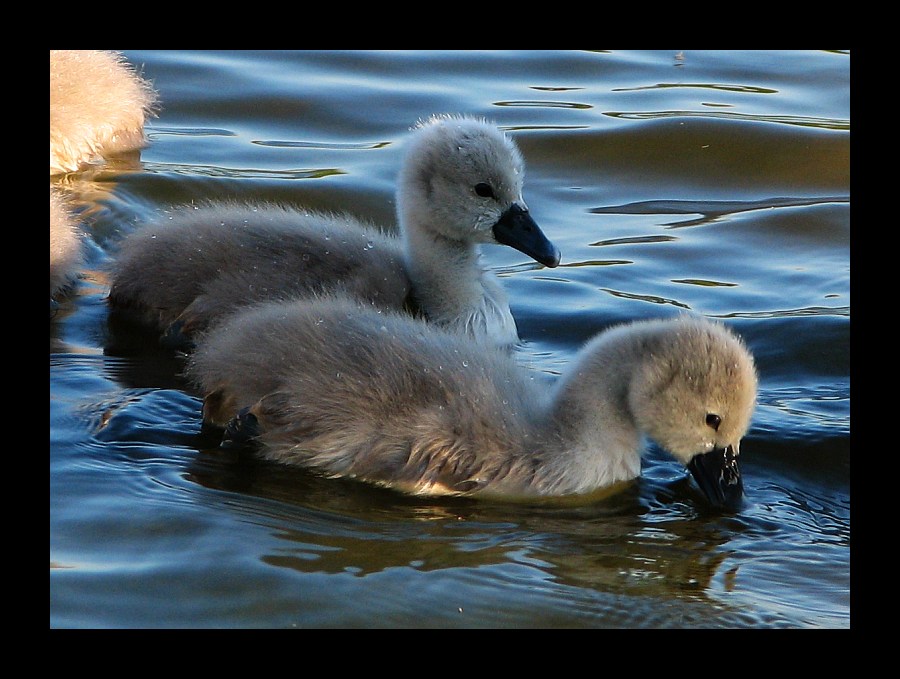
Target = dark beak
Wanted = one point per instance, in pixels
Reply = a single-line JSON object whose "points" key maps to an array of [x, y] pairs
{"points": [[518, 230], [719, 477]]}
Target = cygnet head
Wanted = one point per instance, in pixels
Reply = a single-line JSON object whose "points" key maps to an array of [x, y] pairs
{"points": [[461, 181], [694, 394]]}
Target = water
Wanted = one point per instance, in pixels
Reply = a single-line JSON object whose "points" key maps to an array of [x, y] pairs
{"points": [[705, 180]]}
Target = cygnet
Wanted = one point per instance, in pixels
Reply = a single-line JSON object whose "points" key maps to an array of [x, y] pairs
{"points": [[352, 391], [460, 185], [66, 246], [98, 107]]}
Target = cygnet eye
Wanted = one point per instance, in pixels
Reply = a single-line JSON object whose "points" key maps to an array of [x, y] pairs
{"points": [[484, 190], [713, 421]]}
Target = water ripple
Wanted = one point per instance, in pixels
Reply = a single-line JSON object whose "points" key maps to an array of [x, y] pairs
{"points": [[712, 209], [840, 311], [543, 104], [653, 299], [799, 121], [154, 132], [704, 283], [333, 146], [630, 240], [241, 173]]}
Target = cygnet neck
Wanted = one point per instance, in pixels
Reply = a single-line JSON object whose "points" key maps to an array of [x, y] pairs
{"points": [[595, 439], [453, 290]]}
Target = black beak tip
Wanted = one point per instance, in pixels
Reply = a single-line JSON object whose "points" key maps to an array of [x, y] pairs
{"points": [[518, 230], [719, 477], [551, 259]]}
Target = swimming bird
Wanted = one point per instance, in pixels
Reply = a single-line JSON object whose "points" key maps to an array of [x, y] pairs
{"points": [[66, 246], [98, 106], [459, 186], [357, 392]]}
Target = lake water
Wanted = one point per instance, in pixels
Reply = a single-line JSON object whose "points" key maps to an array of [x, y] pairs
{"points": [[715, 181]]}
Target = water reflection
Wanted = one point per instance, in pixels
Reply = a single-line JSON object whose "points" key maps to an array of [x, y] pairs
{"points": [[333, 526]]}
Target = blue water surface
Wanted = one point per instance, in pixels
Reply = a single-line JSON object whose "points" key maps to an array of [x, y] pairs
{"points": [[711, 181]]}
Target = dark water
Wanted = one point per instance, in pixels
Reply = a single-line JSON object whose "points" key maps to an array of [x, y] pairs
{"points": [[705, 180]]}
